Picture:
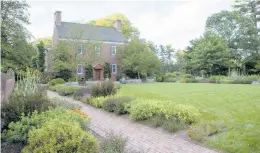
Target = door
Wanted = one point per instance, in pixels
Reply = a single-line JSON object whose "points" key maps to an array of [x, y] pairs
{"points": [[98, 74]]}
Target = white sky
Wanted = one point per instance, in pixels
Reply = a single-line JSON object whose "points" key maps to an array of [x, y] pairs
{"points": [[163, 22]]}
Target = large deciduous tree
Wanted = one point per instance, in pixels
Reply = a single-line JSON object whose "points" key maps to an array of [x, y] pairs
{"points": [[138, 58], [16, 52], [208, 55], [129, 31]]}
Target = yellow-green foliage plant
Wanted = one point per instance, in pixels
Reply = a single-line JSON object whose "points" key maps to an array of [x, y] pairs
{"points": [[98, 102], [60, 136]]}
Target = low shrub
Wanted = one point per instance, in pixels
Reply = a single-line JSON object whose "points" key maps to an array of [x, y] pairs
{"points": [[97, 102], [7, 147], [18, 131], [191, 80], [57, 87], [112, 144], [64, 103], [157, 120], [159, 79], [117, 104], [82, 93], [202, 131], [104, 88], [60, 136], [145, 109], [68, 90], [174, 125], [18, 104], [56, 81]]}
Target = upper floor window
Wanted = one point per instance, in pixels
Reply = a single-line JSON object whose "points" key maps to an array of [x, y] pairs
{"points": [[79, 69], [97, 49], [113, 68], [80, 49], [113, 50]]}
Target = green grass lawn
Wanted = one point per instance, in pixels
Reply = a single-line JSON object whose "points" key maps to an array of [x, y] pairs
{"points": [[237, 105]]}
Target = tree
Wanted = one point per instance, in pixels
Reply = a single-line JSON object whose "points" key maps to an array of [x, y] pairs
{"points": [[208, 55], [39, 59], [15, 49], [45, 41], [138, 58], [128, 30], [63, 63], [180, 63]]}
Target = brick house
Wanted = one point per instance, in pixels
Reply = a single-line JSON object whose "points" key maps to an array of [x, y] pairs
{"points": [[108, 38]]}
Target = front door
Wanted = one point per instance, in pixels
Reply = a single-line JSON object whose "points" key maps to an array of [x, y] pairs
{"points": [[98, 74]]}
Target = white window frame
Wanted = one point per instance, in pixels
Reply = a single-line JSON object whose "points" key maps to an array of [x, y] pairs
{"points": [[114, 72], [81, 49], [113, 53], [97, 48], [81, 69]]}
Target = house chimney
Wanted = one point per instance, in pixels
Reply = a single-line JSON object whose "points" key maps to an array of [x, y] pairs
{"points": [[118, 25], [57, 17]]}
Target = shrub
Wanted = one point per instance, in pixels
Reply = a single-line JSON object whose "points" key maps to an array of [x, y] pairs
{"points": [[144, 109], [174, 125], [159, 79], [113, 144], [82, 93], [18, 131], [157, 120], [57, 87], [57, 81], [170, 79], [68, 90], [116, 104], [191, 80], [97, 102], [18, 104], [63, 103], [60, 136], [201, 131], [105, 88]]}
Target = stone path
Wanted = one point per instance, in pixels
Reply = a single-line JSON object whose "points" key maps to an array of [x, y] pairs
{"points": [[139, 137]]}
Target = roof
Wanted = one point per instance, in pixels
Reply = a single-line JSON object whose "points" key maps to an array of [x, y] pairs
{"points": [[69, 30]]}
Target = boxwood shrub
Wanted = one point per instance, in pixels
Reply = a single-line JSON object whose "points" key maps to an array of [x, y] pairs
{"points": [[56, 81]]}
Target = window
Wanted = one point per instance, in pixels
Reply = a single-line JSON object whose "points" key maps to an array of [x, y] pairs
{"points": [[97, 49], [80, 69], [80, 49], [113, 50], [113, 68]]}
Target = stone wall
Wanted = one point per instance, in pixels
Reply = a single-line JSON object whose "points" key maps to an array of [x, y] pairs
{"points": [[7, 84]]}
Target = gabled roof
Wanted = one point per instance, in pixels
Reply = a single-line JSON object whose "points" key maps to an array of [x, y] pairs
{"points": [[69, 30]]}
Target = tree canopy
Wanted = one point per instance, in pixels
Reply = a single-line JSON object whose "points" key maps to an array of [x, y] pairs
{"points": [[129, 31], [17, 53], [138, 58]]}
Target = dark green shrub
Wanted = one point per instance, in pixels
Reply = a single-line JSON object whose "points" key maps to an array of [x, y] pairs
{"points": [[54, 82], [18, 104], [81, 81], [88, 72], [104, 88], [18, 131], [107, 71], [112, 144], [159, 79], [60, 136], [191, 80]]}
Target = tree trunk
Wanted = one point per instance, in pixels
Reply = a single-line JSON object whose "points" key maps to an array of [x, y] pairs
{"points": [[229, 71], [138, 75]]}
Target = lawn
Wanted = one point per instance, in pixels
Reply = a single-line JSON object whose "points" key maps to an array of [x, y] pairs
{"points": [[237, 105]]}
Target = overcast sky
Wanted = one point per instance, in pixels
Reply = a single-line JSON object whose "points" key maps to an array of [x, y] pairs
{"points": [[168, 22]]}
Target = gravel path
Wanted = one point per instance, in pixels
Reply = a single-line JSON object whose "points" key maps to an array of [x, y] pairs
{"points": [[139, 137]]}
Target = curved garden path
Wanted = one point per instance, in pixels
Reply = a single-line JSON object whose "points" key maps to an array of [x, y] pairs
{"points": [[139, 137]]}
